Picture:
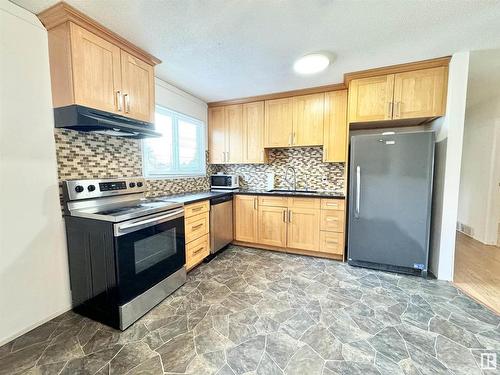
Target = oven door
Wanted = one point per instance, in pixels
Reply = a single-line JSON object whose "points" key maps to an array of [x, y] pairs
{"points": [[147, 251]]}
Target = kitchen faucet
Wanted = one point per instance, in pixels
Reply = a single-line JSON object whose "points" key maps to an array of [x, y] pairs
{"points": [[294, 186]]}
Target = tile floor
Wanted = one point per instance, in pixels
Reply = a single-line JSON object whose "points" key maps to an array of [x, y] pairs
{"points": [[261, 312]]}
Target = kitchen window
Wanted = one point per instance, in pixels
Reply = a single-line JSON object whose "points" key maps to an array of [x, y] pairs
{"points": [[180, 151]]}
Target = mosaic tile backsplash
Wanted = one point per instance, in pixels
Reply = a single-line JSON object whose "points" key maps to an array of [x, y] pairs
{"points": [[91, 155], [308, 163]]}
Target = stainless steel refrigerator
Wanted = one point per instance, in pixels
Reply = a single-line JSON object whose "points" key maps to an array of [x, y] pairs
{"points": [[390, 186]]}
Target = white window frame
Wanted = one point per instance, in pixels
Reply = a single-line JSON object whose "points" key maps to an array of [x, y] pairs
{"points": [[176, 116]]}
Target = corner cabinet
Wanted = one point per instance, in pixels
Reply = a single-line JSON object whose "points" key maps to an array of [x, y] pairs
{"points": [[236, 134], [94, 67], [418, 94]]}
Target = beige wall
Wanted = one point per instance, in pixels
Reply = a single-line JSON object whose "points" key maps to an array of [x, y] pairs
{"points": [[34, 283], [447, 162], [479, 201]]}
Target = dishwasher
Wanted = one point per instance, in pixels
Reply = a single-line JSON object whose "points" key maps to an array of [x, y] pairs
{"points": [[221, 222]]}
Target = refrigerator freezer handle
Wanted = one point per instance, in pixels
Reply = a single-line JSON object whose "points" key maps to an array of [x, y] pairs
{"points": [[358, 190]]}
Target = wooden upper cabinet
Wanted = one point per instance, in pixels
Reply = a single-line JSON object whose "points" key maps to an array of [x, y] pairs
{"points": [[420, 93], [97, 76], [245, 218], [370, 99], [278, 129], [138, 88], [308, 114], [233, 118], [216, 135], [253, 126], [335, 127], [92, 66], [303, 228]]}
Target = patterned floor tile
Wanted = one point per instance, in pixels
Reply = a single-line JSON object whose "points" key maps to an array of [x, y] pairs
{"points": [[258, 312]]}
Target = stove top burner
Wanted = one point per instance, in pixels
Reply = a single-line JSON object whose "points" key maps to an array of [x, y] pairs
{"points": [[120, 211], [143, 205]]}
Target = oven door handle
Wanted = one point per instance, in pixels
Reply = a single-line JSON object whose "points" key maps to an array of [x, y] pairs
{"points": [[125, 228]]}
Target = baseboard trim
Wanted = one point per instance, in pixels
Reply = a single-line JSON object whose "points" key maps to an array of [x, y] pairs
{"points": [[6, 340], [318, 254]]}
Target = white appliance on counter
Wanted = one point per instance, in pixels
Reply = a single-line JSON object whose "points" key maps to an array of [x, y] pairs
{"points": [[269, 181], [221, 181]]}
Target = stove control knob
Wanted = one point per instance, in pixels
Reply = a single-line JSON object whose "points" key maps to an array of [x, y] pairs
{"points": [[91, 188], [79, 188], [139, 184], [131, 185]]}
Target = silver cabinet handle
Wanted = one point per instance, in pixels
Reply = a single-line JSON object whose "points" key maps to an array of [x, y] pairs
{"points": [[223, 157], [284, 216], [127, 102], [119, 101], [358, 190], [290, 139], [293, 138], [389, 113], [228, 159], [255, 203], [289, 216]]}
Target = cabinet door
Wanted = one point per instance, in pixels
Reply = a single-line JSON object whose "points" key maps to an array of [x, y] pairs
{"points": [[303, 228], [420, 93], [272, 226], [253, 126], [370, 99], [245, 218], [96, 71], [336, 128], [216, 135], [308, 117], [278, 123], [138, 88], [233, 117]]}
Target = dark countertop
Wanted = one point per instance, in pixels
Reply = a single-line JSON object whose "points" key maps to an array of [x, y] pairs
{"points": [[316, 194], [187, 198], [196, 196]]}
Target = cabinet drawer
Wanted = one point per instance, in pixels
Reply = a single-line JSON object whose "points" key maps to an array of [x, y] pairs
{"points": [[196, 226], [273, 201], [332, 204], [196, 208], [332, 220], [197, 250], [298, 202], [331, 242]]}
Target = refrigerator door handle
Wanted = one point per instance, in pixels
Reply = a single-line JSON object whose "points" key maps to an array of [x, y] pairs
{"points": [[358, 190]]}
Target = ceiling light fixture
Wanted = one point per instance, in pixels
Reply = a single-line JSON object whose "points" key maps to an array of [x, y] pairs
{"points": [[312, 63]]}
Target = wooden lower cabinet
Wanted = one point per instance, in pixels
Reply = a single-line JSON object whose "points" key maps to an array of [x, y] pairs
{"points": [[272, 226], [245, 218], [309, 226], [197, 250], [303, 228], [197, 230], [331, 242]]}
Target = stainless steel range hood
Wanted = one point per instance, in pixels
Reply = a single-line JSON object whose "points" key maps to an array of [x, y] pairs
{"points": [[77, 117]]}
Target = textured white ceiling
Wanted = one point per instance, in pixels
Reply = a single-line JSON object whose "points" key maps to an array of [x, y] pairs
{"points": [[222, 49]]}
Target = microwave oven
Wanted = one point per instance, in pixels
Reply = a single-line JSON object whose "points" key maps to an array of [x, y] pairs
{"points": [[224, 181]]}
